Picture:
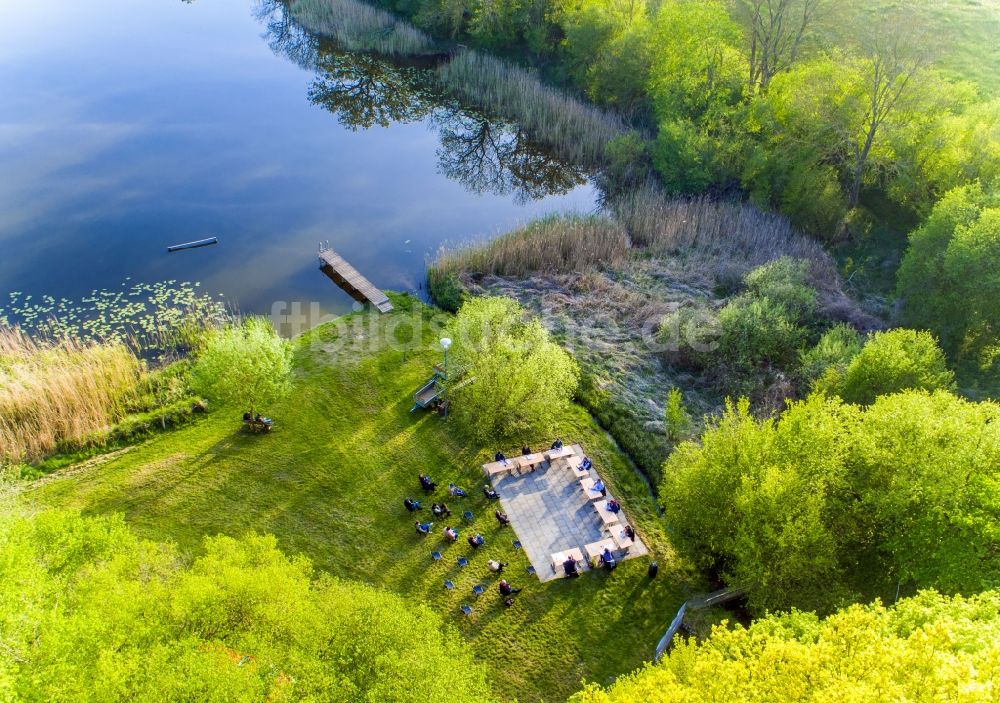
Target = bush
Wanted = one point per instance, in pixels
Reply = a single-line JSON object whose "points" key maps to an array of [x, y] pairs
{"points": [[833, 502], [829, 358], [785, 282], [949, 279], [90, 612], [446, 290], [893, 361], [921, 648]]}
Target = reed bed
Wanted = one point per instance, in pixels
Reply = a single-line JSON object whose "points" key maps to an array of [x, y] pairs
{"points": [[358, 26], [577, 132], [729, 237], [57, 394], [554, 244]]}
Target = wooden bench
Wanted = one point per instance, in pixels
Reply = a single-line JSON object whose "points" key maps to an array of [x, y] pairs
{"points": [[529, 461]]}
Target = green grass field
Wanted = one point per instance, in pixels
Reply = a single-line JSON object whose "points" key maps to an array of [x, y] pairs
{"points": [[329, 483]]}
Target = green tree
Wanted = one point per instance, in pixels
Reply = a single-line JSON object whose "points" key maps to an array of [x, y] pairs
{"points": [[676, 417], [922, 649], [89, 612], [824, 364], [890, 362], [513, 379], [245, 363], [832, 502], [949, 279]]}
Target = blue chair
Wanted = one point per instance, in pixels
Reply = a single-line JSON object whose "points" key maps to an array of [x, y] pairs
{"points": [[479, 590], [531, 569], [468, 515], [436, 556], [467, 609], [449, 585], [462, 561], [517, 544]]}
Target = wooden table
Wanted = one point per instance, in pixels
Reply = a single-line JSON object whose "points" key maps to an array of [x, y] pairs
{"points": [[530, 461], [495, 468], [587, 484], [621, 539], [573, 463], [608, 518], [554, 454], [559, 557], [596, 549]]}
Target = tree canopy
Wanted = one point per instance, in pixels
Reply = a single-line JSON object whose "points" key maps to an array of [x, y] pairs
{"points": [[831, 502], [926, 648], [244, 363], [90, 612], [950, 277], [518, 379]]}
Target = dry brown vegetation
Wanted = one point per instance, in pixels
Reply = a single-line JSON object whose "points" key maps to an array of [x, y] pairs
{"points": [[59, 394], [358, 26], [729, 238], [552, 244], [576, 131]]}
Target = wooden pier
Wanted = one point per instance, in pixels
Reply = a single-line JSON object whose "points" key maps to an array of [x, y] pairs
{"points": [[348, 278]]}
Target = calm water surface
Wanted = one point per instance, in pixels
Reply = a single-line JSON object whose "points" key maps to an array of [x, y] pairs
{"points": [[128, 125]]}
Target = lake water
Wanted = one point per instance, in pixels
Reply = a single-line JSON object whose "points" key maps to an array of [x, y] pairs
{"points": [[130, 125]]}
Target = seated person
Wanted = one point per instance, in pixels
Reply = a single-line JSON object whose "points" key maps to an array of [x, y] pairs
{"points": [[500, 457], [476, 541], [506, 589], [456, 491], [629, 532], [608, 559], [586, 463], [569, 566], [613, 505], [600, 487], [525, 450], [558, 444], [496, 566], [247, 417], [502, 518], [426, 483], [411, 505], [423, 528], [489, 492], [450, 533], [440, 510]]}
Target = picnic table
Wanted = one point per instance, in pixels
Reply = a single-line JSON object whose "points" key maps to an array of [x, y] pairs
{"points": [[587, 484], [558, 558], [596, 549], [608, 518]]}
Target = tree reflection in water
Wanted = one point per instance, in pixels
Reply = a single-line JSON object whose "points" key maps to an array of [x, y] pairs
{"points": [[363, 90]]}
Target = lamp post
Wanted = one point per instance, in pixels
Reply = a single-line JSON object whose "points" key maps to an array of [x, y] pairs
{"points": [[445, 344]]}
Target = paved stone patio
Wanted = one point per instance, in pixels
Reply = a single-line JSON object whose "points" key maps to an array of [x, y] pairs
{"points": [[550, 513]]}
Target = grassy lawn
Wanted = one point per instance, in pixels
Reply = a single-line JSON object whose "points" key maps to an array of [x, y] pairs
{"points": [[329, 482]]}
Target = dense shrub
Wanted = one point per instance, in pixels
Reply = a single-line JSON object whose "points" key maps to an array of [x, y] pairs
{"points": [[950, 277], [833, 502], [925, 648], [445, 288], [830, 356], [891, 361], [90, 612]]}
